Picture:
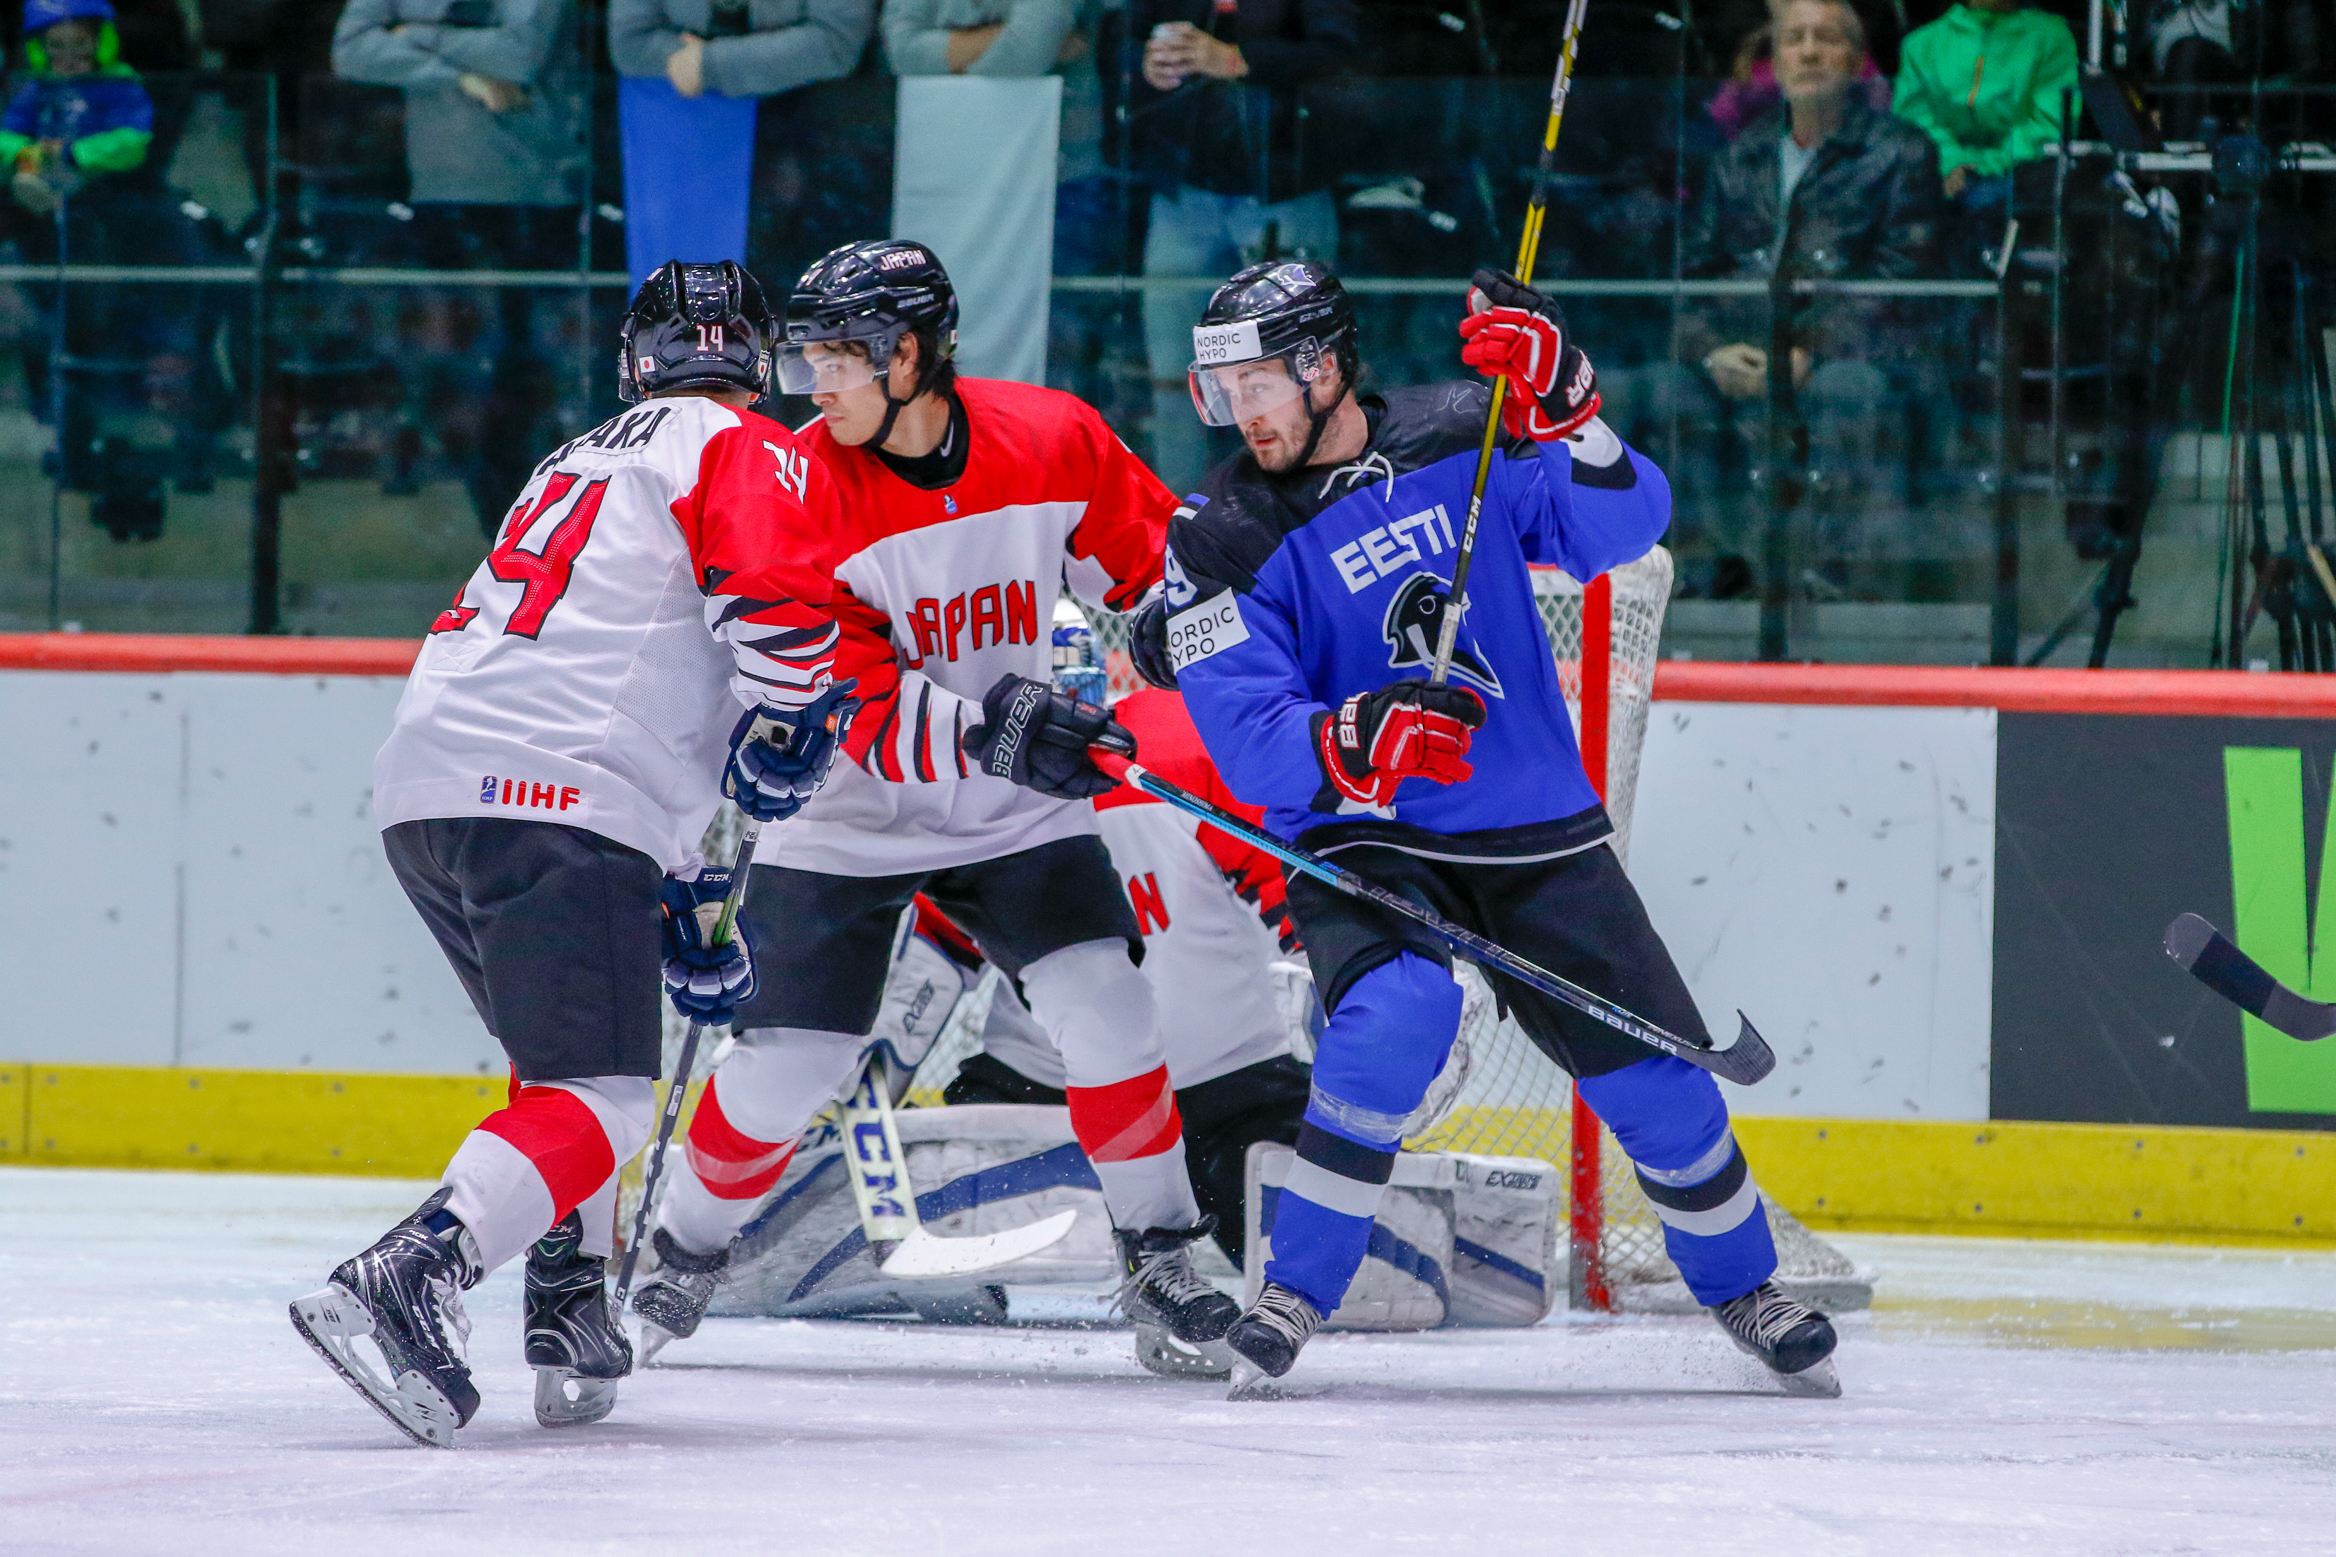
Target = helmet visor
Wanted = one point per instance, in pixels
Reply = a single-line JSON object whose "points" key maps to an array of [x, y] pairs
{"points": [[825, 367], [1229, 396]]}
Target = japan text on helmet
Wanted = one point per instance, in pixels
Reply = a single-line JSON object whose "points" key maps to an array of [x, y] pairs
{"points": [[871, 294], [696, 326], [1289, 312]]}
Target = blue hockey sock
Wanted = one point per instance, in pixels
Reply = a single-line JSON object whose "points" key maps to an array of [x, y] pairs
{"points": [[1673, 1124], [1381, 1048]]}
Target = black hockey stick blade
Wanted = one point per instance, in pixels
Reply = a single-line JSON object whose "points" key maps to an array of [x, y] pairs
{"points": [[2240, 979], [1747, 1060]]}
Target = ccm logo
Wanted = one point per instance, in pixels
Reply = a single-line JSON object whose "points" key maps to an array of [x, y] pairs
{"points": [[1503, 1178], [519, 792]]}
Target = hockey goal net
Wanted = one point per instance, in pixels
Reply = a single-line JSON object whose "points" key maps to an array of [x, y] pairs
{"points": [[1516, 1102]]}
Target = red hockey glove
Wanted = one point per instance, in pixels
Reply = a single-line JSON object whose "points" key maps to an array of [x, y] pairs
{"points": [[1407, 729], [1514, 332]]}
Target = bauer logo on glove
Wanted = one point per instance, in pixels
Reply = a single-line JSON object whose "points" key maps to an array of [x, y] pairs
{"points": [[1035, 736], [709, 971], [1514, 332]]}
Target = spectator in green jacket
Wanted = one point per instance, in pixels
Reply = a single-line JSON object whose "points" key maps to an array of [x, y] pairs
{"points": [[82, 112], [1985, 81]]}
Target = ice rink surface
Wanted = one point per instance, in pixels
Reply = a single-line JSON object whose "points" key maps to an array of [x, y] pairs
{"points": [[2003, 1397]]}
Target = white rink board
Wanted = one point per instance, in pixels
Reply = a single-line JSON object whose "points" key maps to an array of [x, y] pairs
{"points": [[1831, 872], [189, 874], [2003, 1398]]}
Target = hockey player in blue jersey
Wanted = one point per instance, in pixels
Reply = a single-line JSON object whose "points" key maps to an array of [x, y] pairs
{"points": [[1306, 582]]}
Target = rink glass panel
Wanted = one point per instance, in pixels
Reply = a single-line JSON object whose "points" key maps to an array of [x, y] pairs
{"points": [[259, 386]]}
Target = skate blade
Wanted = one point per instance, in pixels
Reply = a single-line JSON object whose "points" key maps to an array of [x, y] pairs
{"points": [[1818, 1381], [556, 1406], [654, 1339], [1250, 1382], [1161, 1353], [331, 1321]]}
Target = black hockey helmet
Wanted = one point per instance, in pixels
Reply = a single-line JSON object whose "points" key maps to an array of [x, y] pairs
{"points": [[1291, 311], [696, 325], [869, 293]]}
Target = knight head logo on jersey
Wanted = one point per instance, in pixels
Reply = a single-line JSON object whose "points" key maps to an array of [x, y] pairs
{"points": [[1415, 618]]}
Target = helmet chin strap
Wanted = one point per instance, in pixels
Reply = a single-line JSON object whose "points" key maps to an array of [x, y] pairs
{"points": [[1321, 420]]}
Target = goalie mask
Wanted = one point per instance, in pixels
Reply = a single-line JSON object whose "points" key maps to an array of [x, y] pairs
{"points": [[696, 326], [1266, 336]]}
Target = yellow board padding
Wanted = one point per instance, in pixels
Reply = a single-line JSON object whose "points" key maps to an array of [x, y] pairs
{"points": [[250, 1121], [2162, 1183], [2005, 1179]]}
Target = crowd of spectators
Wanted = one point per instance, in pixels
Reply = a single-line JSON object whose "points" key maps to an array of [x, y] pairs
{"points": [[1825, 138]]}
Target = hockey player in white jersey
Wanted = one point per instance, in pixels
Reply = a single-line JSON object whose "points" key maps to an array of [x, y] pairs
{"points": [[959, 509], [570, 726]]}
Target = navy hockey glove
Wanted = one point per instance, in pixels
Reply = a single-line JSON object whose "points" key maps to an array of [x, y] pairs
{"points": [[779, 757], [1038, 737], [1513, 331], [1407, 729], [1147, 643], [706, 982]]}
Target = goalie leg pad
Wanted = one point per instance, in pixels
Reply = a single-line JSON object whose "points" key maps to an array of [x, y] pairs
{"points": [[1673, 1124], [552, 1149]]}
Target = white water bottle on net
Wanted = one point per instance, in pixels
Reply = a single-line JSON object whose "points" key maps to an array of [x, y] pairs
{"points": [[1515, 1101]]}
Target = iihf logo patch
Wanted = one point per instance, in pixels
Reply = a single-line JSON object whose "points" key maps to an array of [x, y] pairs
{"points": [[948, 504], [1415, 619]]}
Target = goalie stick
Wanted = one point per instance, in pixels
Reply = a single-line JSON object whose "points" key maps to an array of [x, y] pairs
{"points": [[2213, 961], [888, 1202], [1744, 1062]]}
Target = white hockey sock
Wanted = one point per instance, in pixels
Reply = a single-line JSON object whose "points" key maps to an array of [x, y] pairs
{"points": [[1097, 1006], [556, 1146], [746, 1127]]}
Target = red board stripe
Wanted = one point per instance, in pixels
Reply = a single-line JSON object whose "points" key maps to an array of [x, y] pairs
{"points": [[2267, 696]]}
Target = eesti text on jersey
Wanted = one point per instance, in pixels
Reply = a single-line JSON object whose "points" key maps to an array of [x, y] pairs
{"points": [[939, 592], [1291, 593], [645, 588]]}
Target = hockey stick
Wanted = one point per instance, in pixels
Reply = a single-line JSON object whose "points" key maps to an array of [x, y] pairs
{"points": [[741, 868], [2213, 961], [1744, 1062], [1528, 250], [888, 1202]]}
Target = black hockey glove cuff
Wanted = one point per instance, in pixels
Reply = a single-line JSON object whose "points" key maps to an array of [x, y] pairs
{"points": [[1513, 332], [1038, 737], [1147, 643]]}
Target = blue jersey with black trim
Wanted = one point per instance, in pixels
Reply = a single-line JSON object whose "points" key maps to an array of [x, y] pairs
{"points": [[1291, 593]]}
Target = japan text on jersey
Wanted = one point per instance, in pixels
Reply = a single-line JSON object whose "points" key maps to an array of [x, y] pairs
{"points": [[1290, 594]]}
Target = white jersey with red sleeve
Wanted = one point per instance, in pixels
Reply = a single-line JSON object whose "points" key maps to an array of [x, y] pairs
{"points": [[940, 593], [657, 576]]}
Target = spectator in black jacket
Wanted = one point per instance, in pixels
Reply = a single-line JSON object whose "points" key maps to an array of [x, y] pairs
{"points": [[1847, 193], [1213, 128]]}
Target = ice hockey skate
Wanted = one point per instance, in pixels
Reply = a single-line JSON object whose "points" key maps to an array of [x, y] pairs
{"points": [[1267, 1339], [405, 1295], [1163, 1291], [573, 1341], [674, 1298], [1791, 1339]]}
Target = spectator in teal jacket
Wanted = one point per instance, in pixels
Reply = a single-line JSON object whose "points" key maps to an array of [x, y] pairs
{"points": [[1984, 82], [83, 112]]}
